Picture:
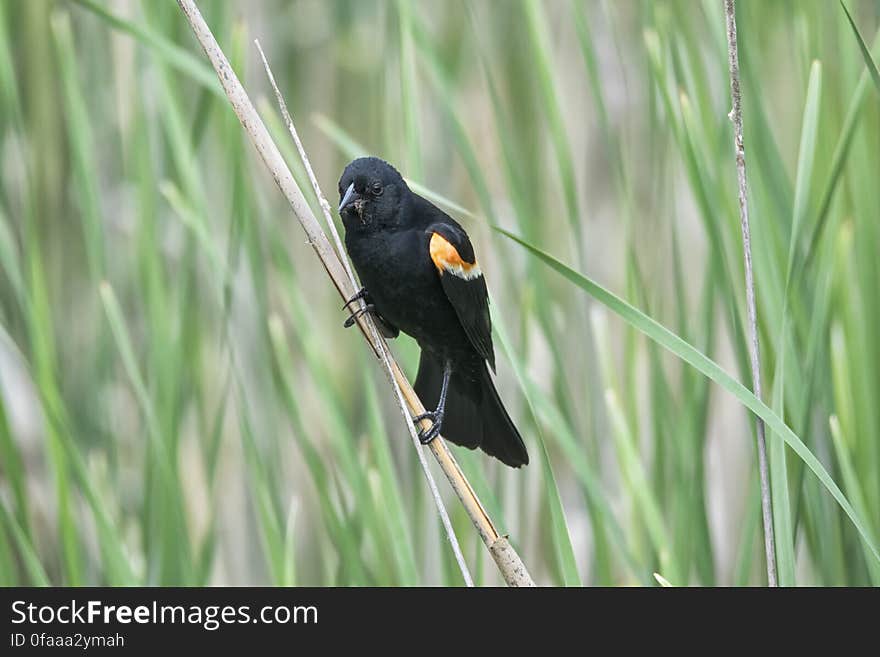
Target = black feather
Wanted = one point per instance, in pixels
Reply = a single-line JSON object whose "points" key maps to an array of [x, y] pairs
{"points": [[475, 415]]}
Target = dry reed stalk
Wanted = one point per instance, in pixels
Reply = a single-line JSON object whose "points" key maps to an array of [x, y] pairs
{"points": [[754, 353], [506, 558]]}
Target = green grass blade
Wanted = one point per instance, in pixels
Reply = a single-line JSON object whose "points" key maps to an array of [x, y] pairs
{"points": [[709, 368], [645, 504], [633, 471], [806, 157], [28, 554], [289, 571], [130, 363], [82, 143], [174, 55], [784, 534], [10, 263], [539, 34], [561, 539], [11, 457], [838, 161], [851, 482], [389, 496], [866, 54], [409, 91], [782, 522]]}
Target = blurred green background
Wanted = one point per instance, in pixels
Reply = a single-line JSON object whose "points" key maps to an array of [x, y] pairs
{"points": [[181, 405]]}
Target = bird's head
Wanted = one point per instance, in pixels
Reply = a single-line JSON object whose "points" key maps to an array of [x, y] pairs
{"points": [[370, 193]]}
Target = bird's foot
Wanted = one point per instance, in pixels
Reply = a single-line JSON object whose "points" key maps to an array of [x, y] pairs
{"points": [[360, 294], [427, 435], [357, 313]]}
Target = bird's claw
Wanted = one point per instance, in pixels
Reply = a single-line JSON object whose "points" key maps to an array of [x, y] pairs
{"points": [[357, 313], [360, 294], [427, 435]]}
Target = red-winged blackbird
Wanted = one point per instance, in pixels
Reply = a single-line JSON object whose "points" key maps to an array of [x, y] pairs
{"points": [[420, 276]]}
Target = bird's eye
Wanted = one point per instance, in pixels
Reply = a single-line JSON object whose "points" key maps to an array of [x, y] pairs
{"points": [[377, 188]]}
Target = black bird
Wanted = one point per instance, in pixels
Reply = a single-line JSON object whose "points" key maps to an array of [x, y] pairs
{"points": [[420, 276]]}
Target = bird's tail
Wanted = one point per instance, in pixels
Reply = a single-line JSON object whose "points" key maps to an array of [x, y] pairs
{"points": [[475, 416]]}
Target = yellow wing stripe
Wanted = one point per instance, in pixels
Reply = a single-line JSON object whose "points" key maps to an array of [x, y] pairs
{"points": [[447, 259]]}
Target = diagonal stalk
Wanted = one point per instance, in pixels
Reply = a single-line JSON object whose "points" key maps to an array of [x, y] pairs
{"points": [[506, 558], [401, 403]]}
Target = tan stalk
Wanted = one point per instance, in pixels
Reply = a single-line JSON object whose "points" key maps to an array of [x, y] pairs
{"points": [[508, 561]]}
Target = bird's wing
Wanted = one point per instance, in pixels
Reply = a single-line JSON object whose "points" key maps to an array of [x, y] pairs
{"points": [[453, 256]]}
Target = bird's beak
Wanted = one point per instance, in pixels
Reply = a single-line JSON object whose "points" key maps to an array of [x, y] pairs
{"points": [[347, 198]]}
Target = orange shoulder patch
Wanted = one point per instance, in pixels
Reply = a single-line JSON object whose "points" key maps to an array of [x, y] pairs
{"points": [[447, 259]]}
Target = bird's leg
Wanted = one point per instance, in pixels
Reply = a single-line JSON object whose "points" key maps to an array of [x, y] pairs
{"points": [[360, 294], [436, 416]]}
